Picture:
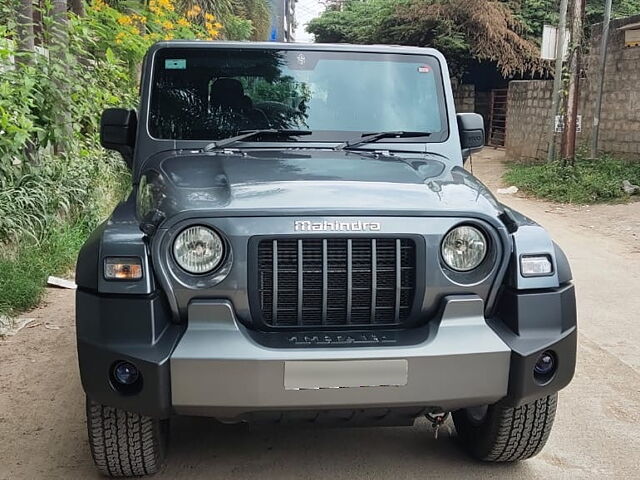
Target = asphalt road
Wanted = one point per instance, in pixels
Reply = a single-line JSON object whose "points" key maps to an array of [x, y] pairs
{"points": [[596, 435]]}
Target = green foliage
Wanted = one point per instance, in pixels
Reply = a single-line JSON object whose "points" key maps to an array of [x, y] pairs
{"points": [[258, 12], [236, 28], [242, 19], [589, 181], [380, 21], [45, 216], [534, 14], [23, 274], [52, 197], [356, 22], [620, 8], [49, 202]]}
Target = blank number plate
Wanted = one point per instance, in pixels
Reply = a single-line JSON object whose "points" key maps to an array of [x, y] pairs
{"points": [[315, 375]]}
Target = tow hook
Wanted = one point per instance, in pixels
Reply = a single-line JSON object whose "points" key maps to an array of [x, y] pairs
{"points": [[437, 419]]}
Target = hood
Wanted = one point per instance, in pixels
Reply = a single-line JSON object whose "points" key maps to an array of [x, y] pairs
{"points": [[308, 182]]}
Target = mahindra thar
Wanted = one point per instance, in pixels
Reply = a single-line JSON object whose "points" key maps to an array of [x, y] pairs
{"points": [[302, 243]]}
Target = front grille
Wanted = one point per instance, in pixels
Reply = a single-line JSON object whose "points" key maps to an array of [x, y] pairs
{"points": [[336, 281]]}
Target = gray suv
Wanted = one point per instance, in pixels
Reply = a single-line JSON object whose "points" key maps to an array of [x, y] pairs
{"points": [[302, 244]]}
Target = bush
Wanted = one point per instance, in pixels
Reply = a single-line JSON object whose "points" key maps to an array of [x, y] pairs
{"points": [[588, 181]]}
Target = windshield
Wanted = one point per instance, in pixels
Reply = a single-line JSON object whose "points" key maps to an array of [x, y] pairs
{"points": [[214, 93]]}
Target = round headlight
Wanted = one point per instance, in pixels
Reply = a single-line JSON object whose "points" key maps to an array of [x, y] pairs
{"points": [[198, 249], [464, 248]]}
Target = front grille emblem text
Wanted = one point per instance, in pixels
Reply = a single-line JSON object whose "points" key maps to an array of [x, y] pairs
{"points": [[336, 226]]}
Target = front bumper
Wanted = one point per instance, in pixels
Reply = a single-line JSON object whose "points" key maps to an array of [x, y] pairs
{"points": [[216, 367], [218, 370]]}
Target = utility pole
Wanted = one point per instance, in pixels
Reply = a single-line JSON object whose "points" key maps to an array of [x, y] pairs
{"points": [[557, 79], [568, 149], [595, 129]]}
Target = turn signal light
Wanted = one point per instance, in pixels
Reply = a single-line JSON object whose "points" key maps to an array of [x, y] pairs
{"points": [[122, 268], [536, 265]]}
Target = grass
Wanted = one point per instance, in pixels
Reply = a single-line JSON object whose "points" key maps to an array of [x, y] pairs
{"points": [[45, 216], [588, 181], [23, 276]]}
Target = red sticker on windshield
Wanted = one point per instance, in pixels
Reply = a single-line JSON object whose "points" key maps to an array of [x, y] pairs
{"points": [[424, 69]]}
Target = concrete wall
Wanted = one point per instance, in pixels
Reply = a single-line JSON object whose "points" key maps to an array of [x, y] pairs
{"points": [[529, 103]]}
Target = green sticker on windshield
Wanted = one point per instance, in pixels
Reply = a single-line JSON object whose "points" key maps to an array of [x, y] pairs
{"points": [[175, 64]]}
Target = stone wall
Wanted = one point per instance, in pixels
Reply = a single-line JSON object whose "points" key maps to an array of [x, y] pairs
{"points": [[620, 117], [529, 103], [464, 97], [528, 119]]}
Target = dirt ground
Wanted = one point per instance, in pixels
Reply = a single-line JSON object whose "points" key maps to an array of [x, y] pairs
{"points": [[42, 425]]}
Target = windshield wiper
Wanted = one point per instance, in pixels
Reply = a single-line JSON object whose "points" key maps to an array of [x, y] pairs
{"points": [[374, 137], [247, 134]]}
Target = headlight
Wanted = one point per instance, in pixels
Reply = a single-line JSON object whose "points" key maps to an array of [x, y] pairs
{"points": [[198, 249], [464, 248]]}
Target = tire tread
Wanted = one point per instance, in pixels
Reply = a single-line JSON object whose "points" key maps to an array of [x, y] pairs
{"points": [[124, 444], [509, 434]]}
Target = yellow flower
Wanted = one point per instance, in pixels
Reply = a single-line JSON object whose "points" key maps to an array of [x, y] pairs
{"points": [[165, 4], [208, 17], [125, 20], [120, 36], [167, 25], [183, 22], [194, 11]]}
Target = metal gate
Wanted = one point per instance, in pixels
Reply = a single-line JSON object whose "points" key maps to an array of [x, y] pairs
{"points": [[498, 117]]}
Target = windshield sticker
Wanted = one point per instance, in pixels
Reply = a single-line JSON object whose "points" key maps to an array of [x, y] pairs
{"points": [[175, 64], [424, 69]]}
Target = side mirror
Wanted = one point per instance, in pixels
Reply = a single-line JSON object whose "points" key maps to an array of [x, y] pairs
{"points": [[471, 128], [118, 131]]}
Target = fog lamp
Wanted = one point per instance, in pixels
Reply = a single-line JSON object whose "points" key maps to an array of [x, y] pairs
{"points": [[536, 265], [125, 373], [545, 367]]}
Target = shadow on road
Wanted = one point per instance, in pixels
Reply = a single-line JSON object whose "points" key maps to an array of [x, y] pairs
{"points": [[207, 449]]}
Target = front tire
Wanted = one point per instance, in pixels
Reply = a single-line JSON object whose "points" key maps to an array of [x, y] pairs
{"points": [[506, 434], [125, 444]]}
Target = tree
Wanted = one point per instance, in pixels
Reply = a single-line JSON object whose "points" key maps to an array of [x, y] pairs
{"points": [[536, 13], [464, 31], [77, 7], [59, 54], [25, 34], [507, 32]]}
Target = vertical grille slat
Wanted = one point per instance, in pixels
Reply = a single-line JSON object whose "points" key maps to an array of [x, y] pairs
{"points": [[300, 274], [325, 281], [349, 279], [374, 278], [333, 282], [274, 306], [396, 311]]}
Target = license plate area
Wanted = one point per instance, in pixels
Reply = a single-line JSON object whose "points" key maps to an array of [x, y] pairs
{"points": [[317, 375]]}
